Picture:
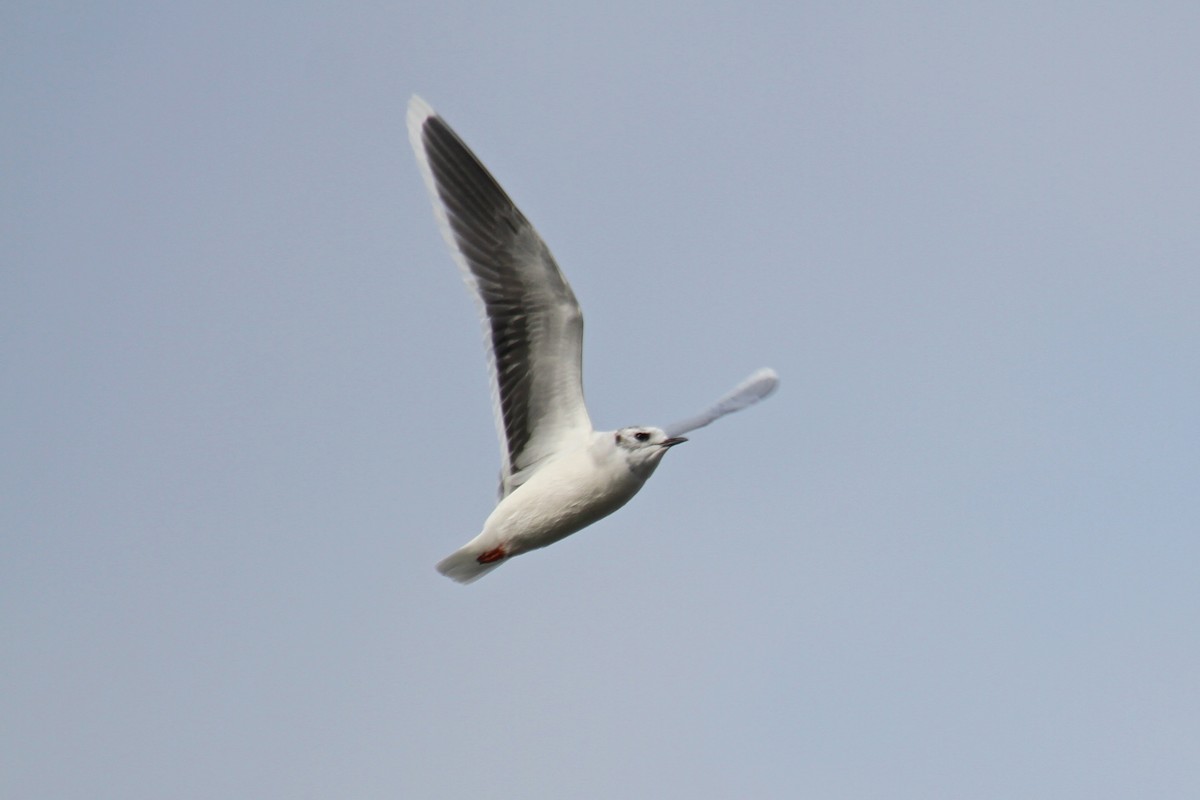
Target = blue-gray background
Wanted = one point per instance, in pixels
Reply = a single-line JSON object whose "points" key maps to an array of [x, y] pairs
{"points": [[245, 405]]}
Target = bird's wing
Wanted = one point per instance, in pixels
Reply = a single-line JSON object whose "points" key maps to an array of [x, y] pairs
{"points": [[532, 322], [746, 393]]}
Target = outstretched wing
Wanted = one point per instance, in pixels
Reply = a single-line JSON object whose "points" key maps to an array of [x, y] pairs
{"points": [[747, 393], [533, 323]]}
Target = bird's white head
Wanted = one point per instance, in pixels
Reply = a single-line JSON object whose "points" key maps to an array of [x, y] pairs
{"points": [[642, 447]]}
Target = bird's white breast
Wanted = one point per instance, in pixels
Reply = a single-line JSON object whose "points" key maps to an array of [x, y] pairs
{"points": [[570, 492]]}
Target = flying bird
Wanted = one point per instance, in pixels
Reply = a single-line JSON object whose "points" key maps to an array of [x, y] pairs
{"points": [[559, 475]]}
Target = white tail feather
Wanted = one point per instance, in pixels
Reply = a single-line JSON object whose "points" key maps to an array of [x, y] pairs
{"points": [[463, 564]]}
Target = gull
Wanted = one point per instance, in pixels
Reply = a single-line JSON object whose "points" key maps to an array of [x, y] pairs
{"points": [[558, 475]]}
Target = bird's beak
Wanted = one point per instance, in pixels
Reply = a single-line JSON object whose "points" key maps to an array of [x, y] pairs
{"points": [[674, 440]]}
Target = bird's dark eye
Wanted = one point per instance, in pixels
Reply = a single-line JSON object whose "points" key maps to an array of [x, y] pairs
{"points": [[642, 436]]}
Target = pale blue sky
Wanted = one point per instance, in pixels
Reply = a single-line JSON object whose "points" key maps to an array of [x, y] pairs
{"points": [[246, 406]]}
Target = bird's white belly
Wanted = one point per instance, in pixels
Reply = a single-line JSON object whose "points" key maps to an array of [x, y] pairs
{"points": [[557, 501]]}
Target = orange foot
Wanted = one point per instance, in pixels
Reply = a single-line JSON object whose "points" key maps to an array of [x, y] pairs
{"points": [[493, 555]]}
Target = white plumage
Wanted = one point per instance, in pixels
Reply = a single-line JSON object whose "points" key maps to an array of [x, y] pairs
{"points": [[558, 474]]}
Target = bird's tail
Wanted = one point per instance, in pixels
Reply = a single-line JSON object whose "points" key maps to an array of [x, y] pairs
{"points": [[464, 564]]}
